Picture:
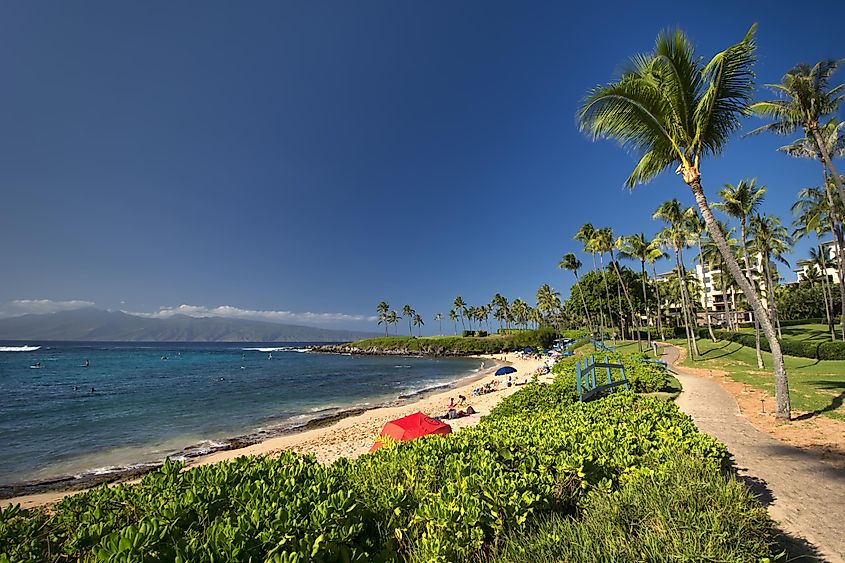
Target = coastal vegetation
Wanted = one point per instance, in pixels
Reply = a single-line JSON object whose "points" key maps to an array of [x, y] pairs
{"points": [[509, 340], [496, 491]]}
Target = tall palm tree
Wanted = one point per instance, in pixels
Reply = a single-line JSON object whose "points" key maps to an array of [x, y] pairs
{"points": [[637, 247], [393, 318], [771, 241], [570, 262], [460, 308], [407, 311], [676, 237], [382, 310], [814, 210], [585, 236], [740, 202], [674, 111], [617, 243], [656, 253], [819, 262], [453, 316], [548, 301], [697, 229], [418, 322], [439, 318], [519, 308], [806, 99], [601, 242]]}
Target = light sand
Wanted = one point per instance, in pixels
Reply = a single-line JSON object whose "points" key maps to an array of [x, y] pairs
{"points": [[353, 436]]}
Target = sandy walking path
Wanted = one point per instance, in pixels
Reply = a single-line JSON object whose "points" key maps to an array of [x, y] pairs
{"points": [[353, 436], [803, 492]]}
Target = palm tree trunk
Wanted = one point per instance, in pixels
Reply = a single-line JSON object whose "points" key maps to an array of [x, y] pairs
{"points": [[693, 320], [723, 282], [584, 302], [773, 306], [683, 302], [827, 162], [606, 292], [783, 409], [827, 307], [628, 299], [704, 289], [645, 300], [757, 351], [836, 233], [659, 303]]}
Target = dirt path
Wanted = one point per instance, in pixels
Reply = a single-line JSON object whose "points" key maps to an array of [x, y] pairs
{"points": [[803, 492]]}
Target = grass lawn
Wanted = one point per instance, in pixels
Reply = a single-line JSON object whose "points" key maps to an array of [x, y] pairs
{"points": [[816, 386], [806, 333]]}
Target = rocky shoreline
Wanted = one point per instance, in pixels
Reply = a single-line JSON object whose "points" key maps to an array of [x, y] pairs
{"points": [[433, 351]]}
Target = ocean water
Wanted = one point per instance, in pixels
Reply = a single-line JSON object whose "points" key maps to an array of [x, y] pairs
{"points": [[137, 403]]}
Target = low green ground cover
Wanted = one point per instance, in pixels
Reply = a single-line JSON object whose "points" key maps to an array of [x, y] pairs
{"points": [[624, 477], [815, 386], [490, 344]]}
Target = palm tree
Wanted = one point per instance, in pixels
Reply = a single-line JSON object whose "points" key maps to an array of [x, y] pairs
{"points": [[382, 310], [676, 237], [454, 318], [656, 253], [460, 308], [570, 262], [674, 111], [418, 322], [713, 257], [806, 100], [819, 262], [616, 244], [519, 308], [771, 241], [740, 202], [637, 247], [439, 318], [601, 242], [548, 300], [697, 228], [407, 311], [585, 236], [816, 208], [393, 318]]}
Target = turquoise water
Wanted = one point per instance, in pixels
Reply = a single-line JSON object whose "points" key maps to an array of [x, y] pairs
{"points": [[137, 403]]}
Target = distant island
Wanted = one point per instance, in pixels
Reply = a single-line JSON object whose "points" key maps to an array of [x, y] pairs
{"points": [[97, 325]]}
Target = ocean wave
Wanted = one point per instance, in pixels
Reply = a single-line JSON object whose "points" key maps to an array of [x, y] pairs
{"points": [[19, 348]]}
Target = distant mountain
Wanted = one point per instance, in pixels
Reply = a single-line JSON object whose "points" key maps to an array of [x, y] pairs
{"points": [[92, 324]]}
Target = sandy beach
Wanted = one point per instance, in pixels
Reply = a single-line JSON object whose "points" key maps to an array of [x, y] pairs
{"points": [[354, 435]]}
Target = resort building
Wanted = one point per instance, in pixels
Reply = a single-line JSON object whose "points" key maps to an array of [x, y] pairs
{"points": [[832, 273]]}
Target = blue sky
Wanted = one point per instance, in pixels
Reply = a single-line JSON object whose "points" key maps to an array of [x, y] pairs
{"points": [[305, 157]]}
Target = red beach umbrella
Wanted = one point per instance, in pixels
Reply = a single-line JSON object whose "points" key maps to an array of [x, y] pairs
{"points": [[412, 426]]}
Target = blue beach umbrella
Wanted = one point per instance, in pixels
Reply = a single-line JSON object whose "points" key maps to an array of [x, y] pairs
{"points": [[505, 370], [528, 350]]}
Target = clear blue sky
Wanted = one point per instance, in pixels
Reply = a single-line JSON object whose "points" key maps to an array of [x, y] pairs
{"points": [[323, 156]]}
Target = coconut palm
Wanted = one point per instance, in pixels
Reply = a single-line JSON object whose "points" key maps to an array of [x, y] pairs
{"points": [[617, 243], [439, 318], [460, 308], [570, 262], [637, 247], [519, 308], [816, 211], [601, 242], [771, 241], [407, 311], [806, 99], [393, 318], [454, 318], [818, 264], [740, 202], [548, 301], [676, 237], [675, 110], [418, 322], [697, 229], [382, 310], [585, 236]]}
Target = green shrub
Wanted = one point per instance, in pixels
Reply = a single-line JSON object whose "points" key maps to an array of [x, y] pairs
{"points": [[686, 512], [831, 351], [543, 337]]}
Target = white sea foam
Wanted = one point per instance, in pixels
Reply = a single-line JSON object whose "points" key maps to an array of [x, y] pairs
{"points": [[19, 348], [276, 349]]}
